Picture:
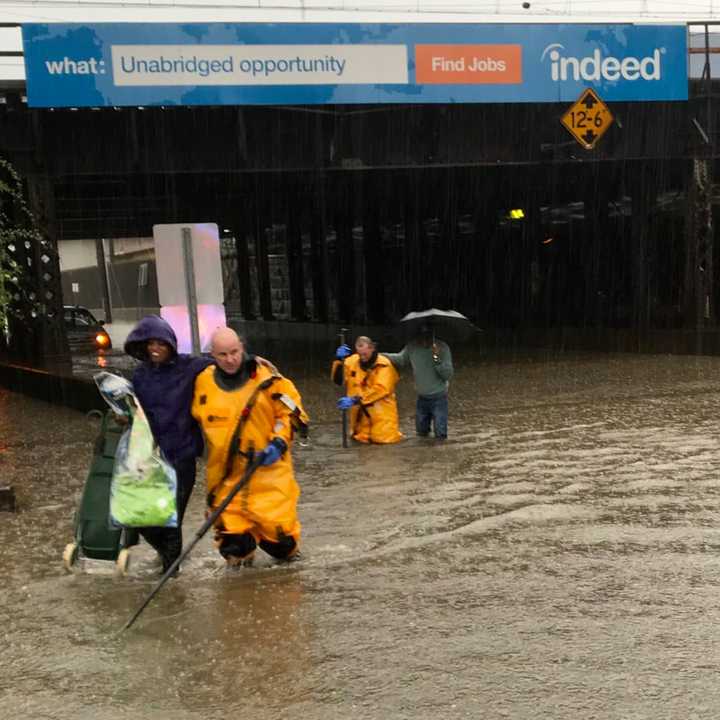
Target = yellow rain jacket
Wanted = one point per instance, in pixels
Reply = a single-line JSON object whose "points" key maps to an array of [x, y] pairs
{"points": [[267, 406], [375, 419]]}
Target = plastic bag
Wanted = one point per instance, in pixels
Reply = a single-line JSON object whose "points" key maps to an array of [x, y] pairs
{"points": [[115, 391], [144, 485]]}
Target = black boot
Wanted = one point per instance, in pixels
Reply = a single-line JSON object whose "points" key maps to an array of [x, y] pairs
{"points": [[284, 550], [172, 547]]}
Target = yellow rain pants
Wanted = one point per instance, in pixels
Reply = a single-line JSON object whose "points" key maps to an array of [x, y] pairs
{"points": [[375, 419], [267, 406]]}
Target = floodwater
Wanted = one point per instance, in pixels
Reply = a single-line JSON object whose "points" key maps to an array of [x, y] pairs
{"points": [[558, 557]]}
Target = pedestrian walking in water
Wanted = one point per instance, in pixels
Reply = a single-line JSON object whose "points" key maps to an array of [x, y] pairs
{"points": [[431, 363], [245, 408], [370, 381], [164, 384]]}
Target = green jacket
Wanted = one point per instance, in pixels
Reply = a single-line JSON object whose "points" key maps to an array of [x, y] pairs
{"points": [[432, 377]]}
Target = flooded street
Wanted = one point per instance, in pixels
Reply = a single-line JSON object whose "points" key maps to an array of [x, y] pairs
{"points": [[558, 557]]}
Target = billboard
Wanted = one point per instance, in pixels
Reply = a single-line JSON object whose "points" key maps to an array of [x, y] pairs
{"points": [[128, 64]]}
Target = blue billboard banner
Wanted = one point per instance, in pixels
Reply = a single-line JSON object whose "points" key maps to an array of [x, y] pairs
{"points": [[129, 64]]}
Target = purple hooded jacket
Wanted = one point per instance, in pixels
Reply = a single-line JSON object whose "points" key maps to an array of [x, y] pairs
{"points": [[166, 391]]}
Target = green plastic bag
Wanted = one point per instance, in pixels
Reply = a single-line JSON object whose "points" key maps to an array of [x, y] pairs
{"points": [[143, 490]]}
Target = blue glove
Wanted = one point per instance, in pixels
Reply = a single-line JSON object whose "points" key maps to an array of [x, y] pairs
{"points": [[342, 352], [273, 452], [346, 402]]}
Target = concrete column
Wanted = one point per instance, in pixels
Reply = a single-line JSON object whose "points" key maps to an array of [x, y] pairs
{"points": [[373, 256], [596, 249], [644, 195], [294, 249], [318, 250], [415, 290], [262, 220], [105, 286], [699, 304], [529, 243], [345, 251], [244, 227]]}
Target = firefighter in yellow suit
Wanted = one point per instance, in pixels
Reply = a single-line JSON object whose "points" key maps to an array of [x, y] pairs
{"points": [[370, 381], [244, 408]]}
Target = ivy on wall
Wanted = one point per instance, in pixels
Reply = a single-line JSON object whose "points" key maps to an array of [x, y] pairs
{"points": [[21, 248]]}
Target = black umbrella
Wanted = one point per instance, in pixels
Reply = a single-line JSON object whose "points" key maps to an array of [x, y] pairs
{"points": [[445, 324]]}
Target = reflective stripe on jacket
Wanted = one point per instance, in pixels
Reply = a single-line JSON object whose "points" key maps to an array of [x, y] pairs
{"points": [[268, 406], [375, 419]]}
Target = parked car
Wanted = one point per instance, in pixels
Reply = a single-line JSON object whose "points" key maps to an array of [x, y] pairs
{"points": [[84, 332]]}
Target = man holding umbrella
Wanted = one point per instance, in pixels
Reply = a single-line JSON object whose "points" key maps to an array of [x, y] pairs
{"points": [[432, 366]]}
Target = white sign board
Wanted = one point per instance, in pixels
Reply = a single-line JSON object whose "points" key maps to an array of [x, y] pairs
{"points": [[210, 318], [171, 263]]}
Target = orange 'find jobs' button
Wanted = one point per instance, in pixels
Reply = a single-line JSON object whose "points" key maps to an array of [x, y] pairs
{"points": [[468, 64]]}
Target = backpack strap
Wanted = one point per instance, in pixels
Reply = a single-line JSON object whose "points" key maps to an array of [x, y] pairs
{"points": [[298, 424], [234, 445]]}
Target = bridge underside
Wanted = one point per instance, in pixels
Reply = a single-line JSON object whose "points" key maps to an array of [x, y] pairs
{"points": [[359, 214]]}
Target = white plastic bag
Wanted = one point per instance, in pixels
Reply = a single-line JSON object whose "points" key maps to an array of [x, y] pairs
{"points": [[144, 485]]}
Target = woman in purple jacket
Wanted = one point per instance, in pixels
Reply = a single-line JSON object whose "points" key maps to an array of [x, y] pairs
{"points": [[164, 386]]}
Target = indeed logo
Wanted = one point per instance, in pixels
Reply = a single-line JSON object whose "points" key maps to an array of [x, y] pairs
{"points": [[597, 67]]}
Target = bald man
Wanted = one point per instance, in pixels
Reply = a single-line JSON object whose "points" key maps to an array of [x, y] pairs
{"points": [[246, 408]]}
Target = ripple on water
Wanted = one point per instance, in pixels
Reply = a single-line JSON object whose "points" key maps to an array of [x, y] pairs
{"points": [[556, 558]]}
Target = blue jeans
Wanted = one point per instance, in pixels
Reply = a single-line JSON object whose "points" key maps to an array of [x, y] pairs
{"points": [[432, 409]]}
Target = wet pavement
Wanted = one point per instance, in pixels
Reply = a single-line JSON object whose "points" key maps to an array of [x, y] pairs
{"points": [[556, 558]]}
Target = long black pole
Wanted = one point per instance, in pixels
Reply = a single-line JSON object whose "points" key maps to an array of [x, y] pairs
{"points": [[344, 412], [251, 468]]}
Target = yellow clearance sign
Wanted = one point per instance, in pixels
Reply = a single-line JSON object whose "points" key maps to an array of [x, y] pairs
{"points": [[587, 119]]}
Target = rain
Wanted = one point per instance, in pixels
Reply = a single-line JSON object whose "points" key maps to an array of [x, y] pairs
{"points": [[553, 557], [556, 555]]}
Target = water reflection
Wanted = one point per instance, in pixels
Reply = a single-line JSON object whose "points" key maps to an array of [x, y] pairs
{"points": [[555, 558]]}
